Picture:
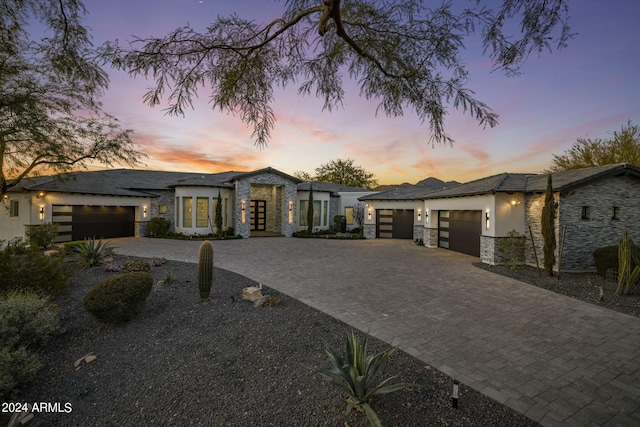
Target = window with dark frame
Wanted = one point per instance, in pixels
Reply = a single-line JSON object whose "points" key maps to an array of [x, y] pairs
{"points": [[586, 213], [14, 208], [615, 213]]}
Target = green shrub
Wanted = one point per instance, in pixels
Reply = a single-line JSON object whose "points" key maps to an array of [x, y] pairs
{"points": [[356, 372], [512, 248], [27, 322], [606, 258], [119, 298], [131, 266], [16, 368], [42, 235], [26, 319], [92, 253], [628, 265], [158, 227], [28, 269]]}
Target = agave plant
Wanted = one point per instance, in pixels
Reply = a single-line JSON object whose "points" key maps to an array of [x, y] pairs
{"points": [[355, 374], [93, 253]]}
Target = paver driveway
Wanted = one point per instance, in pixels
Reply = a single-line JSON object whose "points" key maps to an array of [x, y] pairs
{"points": [[555, 359]]}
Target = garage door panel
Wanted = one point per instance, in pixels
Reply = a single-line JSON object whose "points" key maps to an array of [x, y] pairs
{"points": [[394, 223], [80, 222], [460, 231]]}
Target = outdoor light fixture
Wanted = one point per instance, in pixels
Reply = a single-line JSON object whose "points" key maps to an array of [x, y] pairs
{"points": [[487, 219], [290, 212], [515, 202], [41, 213], [144, 211], [454, 396], [5, 196], [41, 194], [426, 216], [419, 215], [244, 211]]}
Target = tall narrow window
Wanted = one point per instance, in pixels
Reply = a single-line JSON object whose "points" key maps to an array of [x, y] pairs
{"points": [[586, 213], [187, 209], [14, 208], [202, 212], [325, 213], [303, 212], [615, 213], [348, 213]]}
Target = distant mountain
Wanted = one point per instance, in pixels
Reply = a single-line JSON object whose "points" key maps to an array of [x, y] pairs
{"points": [[430, 183]]}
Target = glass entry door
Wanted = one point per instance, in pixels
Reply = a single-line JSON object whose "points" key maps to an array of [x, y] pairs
{"points": [[258, 215]]}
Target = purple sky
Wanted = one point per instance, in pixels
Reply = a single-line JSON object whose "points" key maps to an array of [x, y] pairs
{"points": [[585, 91]]}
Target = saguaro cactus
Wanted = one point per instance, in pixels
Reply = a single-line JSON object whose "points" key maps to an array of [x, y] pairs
{"points": [[205, 269]]}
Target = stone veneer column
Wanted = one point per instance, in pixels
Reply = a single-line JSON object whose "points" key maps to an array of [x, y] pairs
{"points": [[430, 237]]}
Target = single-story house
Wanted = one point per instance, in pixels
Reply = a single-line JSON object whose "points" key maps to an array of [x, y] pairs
{"points": [[120, 202], [595, 206]]}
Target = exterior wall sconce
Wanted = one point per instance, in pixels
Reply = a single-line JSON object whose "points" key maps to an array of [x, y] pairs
{"points": [[419, 215], [41, 213], [5, 197], [290, 212], [515, 203], [144, 211], [244, 211], [369, 212], [41, 194], [426, 216], [487, 219]]}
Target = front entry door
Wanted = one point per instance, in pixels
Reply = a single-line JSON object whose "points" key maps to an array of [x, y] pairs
{"points": [[258, 215]]}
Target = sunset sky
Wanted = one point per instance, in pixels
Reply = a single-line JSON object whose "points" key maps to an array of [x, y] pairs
{"points": [[585, 91]]}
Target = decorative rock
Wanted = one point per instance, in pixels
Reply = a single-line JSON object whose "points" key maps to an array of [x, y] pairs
{"points": [[251, 293], [51, 252], [84, 360], [262, 301]]}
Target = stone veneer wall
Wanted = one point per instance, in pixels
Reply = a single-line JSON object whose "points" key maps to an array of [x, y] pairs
{"points": [[267, 193], [334, 209], [430, 237], [418, 232], [167, 198], [584, 236], [534, 203], [243, 192], [369, 231]]}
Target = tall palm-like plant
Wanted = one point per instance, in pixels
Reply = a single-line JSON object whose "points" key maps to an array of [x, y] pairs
{"points": [[355, 374]]}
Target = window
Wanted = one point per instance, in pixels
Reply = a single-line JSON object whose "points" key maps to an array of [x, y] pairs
{"points": [[348, 213], [187, 207], [316, 212], [14, 208], [586, 213], [615, 213], [163, 209], [202, 212]]}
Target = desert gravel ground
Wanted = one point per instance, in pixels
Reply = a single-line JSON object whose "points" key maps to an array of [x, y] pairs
{"points": [[224, 362]]}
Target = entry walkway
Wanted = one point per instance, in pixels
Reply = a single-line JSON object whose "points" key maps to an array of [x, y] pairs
{"points": [[555, 359]]}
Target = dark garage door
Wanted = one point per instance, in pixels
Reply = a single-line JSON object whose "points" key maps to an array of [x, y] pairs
{"points": [[78, 222], [460, 231], [394, 223], [102, 221]]}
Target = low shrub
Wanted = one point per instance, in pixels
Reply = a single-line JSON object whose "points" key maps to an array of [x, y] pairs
{"points": [[42, 235], [16, 368], [606, 258], [28, 269], [119, 298], [27, 322], [92, 253], [131, 266], [158, 227], [26, 319]]}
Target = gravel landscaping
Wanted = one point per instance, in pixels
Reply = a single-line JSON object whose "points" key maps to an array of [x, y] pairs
{"points": [[225, 362]]}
